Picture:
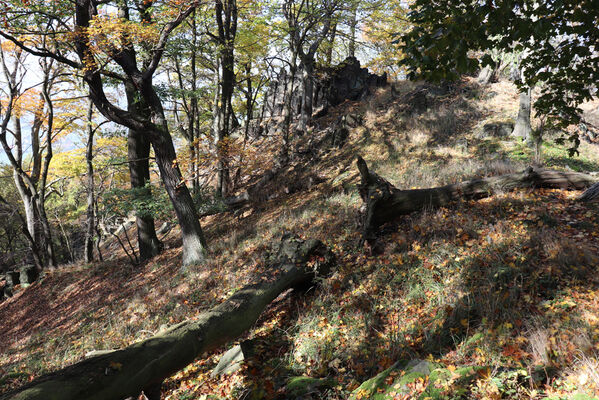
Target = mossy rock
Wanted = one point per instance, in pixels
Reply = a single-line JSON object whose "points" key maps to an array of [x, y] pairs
{"points": [[298, 386], [394, 380], [437, 378]]}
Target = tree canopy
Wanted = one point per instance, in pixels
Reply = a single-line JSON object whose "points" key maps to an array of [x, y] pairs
{"points": [[559, 42]]}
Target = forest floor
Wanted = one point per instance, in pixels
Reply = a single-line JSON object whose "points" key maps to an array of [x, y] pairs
{"points": [[507, 285]]}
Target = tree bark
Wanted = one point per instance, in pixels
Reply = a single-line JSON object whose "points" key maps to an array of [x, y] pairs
{"points": [[144, 365], [522, 128], [194, 244], [308, 93], [226, 18], [383, 202], [138, 153], [91, 218], [351, 48]]}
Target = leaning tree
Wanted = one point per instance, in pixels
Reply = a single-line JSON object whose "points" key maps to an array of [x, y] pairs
{"points": [[117, 42]]}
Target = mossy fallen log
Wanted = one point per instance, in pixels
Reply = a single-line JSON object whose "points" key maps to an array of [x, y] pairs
{"points": [[383, 202], [144, 365]]}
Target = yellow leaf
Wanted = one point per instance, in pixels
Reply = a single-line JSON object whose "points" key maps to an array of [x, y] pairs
{"points": [[116, 365]]}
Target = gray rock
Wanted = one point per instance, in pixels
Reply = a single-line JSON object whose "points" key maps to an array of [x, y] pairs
{"points": [[13, 278], [28, 274], [231, 361], [496, 129]]}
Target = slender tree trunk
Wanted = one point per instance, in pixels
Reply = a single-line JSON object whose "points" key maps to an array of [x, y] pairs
{"points": [[226, 19], [138, 152], [351, 49], [29, 207], [522, 127], [307, 93], [91, 218], [41, 197], [331, 45], [194, 243]]}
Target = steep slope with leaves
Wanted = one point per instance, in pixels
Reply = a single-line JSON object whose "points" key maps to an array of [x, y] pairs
{"points": [[500, 295]]}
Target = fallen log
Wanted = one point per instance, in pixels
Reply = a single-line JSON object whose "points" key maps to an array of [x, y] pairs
{"points": [[116, 375], [383, 202], [591, 194]]}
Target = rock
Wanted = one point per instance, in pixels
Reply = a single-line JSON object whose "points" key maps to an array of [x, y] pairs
{"points": [[298, 386], [347, 81], [496, 129], [164, 229], [6, 292], [231, 361], [28, 274], [13, 278], [353, 120], [333, 85], [396, 379]]}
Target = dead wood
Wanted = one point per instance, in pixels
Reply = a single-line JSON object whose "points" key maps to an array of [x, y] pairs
{"points": [[383, 202], [116, 375]]}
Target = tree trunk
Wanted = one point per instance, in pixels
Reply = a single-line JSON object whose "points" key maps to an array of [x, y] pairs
{"points": [[308, 94], [194, 244], [351, 50], [91, 218], [144, 365], [383, 202], [138, 153], [226, 18], [331, 45], [522, 127], [288, 109]]}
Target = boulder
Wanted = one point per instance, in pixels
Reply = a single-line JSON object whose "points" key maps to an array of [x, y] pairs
{"points": [[496, 129], [28, 274], [299, 386], [13, 278], [233, 358]]}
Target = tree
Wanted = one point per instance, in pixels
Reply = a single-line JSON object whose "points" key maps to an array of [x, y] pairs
{"points": [[30, 173], [309, 23], [134, 42], [226, 21], [560, 40], [138, 154]]}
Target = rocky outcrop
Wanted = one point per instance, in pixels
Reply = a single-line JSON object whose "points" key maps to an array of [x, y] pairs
{"points": [[346, 81], [333, 86]]}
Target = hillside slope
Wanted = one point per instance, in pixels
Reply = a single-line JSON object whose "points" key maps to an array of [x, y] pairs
{"points": [[507, 284]]}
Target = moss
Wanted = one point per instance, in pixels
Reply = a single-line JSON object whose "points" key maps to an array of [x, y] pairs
{"points": [[302, 385]]}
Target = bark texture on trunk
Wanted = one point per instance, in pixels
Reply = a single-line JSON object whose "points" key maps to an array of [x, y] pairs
{"points": [[383, 202], [522, 127], [194, 244], [138, 150], [138, 153], [591, 194], [144, 365], [90, 218]]}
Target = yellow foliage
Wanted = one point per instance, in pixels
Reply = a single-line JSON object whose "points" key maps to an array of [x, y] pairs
{"points": [[109, 33]]}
